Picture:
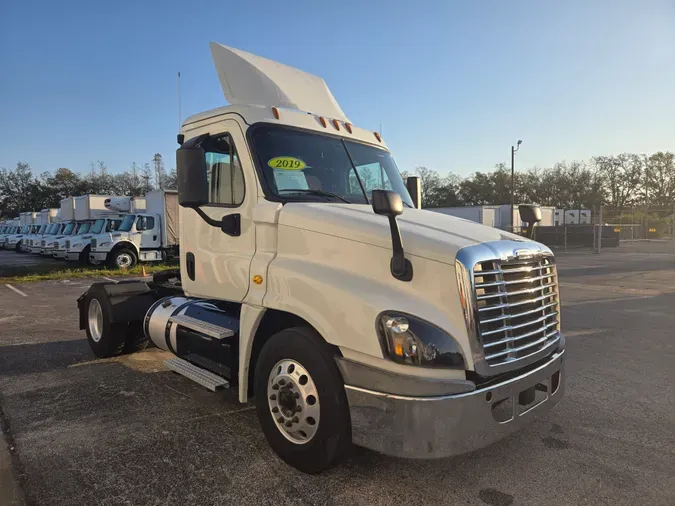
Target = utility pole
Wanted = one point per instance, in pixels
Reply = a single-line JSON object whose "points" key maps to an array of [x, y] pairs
{"points": [[513, 187]]}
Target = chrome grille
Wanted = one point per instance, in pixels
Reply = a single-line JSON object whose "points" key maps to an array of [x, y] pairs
{"points": [[43, 243], [93, 244], [517, 307], [67, 246]]}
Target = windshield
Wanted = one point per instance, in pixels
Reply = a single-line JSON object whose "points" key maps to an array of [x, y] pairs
{"points": [[84, 228], [69, 228], [127, 223], [42, 229], [97, 226], [55, 229], [306, 166]]}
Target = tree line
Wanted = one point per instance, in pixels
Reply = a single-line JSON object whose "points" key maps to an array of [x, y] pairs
{"points": [[23, 190], [617, 181]]}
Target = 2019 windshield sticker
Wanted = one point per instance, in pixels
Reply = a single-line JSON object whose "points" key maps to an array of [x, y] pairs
{"points": [[286, 163]]}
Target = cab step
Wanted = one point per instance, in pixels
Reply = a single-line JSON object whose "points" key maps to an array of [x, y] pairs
{"points": [[205, 378], [209, 329]]}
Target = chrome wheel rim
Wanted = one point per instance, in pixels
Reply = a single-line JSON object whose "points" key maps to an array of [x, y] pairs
{"points": [[293, 401], [123, 260], [95, 317]]}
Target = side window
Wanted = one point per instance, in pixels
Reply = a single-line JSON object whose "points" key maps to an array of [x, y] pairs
{"points": [[224, 172], [145, 223]]}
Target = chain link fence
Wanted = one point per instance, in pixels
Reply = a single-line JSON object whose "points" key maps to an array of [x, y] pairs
{"points": [[609, 226]]}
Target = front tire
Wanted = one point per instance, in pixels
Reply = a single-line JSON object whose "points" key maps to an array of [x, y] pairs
{"points": [[17, 248], [300, 400], [123, 258]]}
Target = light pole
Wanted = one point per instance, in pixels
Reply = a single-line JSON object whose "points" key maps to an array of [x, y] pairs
{"points": [[513, 188]]}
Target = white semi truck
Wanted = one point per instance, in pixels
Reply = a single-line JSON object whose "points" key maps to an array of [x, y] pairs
{"points": [[143, 236], [348, 313]]}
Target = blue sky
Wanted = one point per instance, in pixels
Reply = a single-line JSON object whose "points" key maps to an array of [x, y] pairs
{"points": [[453, 83]]}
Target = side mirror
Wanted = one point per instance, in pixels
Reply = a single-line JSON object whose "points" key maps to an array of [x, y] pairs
{"points": [[530, 214], [415, 190], [389, 204], [193, 185]]}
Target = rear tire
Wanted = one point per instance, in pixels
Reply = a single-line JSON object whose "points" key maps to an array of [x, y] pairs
{"points": [[105, 339], [328, 429], [123, 258]]}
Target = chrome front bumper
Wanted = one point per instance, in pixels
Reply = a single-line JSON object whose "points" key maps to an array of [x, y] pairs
{"points": [[441, 426], [71, 255], [59, 254]]}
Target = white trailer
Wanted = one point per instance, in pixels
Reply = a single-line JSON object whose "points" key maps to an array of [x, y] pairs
{"points": [[301, 286], [485, 215]]}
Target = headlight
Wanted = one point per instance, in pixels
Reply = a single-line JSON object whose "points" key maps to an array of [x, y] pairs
{"points": [[76, 245], [104, 244], [409, 340]]}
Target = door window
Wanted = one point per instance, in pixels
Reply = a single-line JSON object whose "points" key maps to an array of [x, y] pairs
{"points": [[224, 172]]}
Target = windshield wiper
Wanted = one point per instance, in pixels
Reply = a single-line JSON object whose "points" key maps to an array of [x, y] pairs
{"points": [[315, 192]]}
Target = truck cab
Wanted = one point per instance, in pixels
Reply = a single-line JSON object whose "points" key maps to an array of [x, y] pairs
{"points": [[311, 279], [12, 240], [55, 233], [33, 244], [79, 246], [69, 233]]}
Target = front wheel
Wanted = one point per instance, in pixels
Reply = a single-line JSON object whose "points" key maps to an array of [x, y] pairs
{"points": [[18, 247], [300, 400], [123, 258]]}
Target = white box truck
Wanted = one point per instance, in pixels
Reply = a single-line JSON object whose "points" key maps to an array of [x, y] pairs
{"points": [[425, 336], [16, 241], [66, 219], [148, 236], [47, 217], [95, 220]]}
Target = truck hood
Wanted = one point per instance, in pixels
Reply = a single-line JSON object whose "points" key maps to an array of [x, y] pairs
{"points": [[425, 234]]}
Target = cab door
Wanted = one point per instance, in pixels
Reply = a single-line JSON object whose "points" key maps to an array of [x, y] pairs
{"points": [[215, 262]]}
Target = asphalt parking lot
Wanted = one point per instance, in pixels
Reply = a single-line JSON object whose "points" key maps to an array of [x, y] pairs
{"points": [[126, 431], [13, 263]]}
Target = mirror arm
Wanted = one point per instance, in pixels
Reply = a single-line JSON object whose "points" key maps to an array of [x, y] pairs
{"points": [[230, 224], [400, 266], [206, 217]]}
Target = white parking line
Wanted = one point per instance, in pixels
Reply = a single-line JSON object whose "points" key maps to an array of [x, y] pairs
{"points": [[16, 290], [109, 279]]}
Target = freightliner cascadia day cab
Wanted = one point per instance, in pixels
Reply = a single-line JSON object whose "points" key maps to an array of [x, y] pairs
{"points": [[310, 280]]}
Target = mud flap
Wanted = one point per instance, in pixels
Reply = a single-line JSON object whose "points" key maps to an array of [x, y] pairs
{"points": [[129, 301]]}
